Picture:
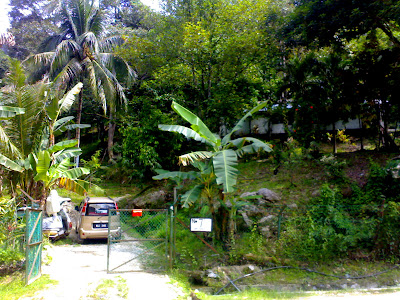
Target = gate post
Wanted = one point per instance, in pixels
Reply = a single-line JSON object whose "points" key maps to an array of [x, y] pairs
{"points": [[171, 237], [34, 240]]}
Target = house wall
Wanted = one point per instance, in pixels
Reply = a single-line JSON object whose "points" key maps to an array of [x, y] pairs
{"points": [[261, 126]]}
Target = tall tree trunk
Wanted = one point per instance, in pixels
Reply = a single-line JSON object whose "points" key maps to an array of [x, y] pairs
{"points": [[78, 121], [111, 132], [361, 136], [334, 138], [390, 144]]}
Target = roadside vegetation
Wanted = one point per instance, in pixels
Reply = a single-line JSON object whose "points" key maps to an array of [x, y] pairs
{"points": [[12, 287], [248, 104]]}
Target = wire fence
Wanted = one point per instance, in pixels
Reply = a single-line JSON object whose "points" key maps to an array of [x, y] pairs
{"points": [[303, 232], [137, 240]]}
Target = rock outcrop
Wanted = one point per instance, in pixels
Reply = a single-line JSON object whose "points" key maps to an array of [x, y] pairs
{"points": [[261, 211]]}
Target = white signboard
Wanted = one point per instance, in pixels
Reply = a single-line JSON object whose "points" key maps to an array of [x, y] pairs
{"points": [[201, 224]]}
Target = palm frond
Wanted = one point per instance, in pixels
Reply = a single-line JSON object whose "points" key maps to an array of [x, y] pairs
{"points": [[91, 75], [116, 90], [107, 81], [109, 43], [103, 98], [71, 71], [16, 77], [8, 145], [67, 14], [94, 21], [106, 59], [24, 129], [89, 39], [41, 59], [63, 53]]}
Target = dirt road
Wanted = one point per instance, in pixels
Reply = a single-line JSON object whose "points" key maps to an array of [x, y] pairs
{"points": [[81, 268]]}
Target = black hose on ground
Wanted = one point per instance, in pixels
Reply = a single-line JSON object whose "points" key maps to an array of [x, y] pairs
{"points": [[303, 269]]}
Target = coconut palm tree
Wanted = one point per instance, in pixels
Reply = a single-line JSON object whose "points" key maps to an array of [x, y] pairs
{"points": [[79, 52]]}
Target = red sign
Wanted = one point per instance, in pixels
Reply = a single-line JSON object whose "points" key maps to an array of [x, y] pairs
{"points": [[137, 212]]}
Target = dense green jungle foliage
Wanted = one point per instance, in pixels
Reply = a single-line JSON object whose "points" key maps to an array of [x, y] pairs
{"points": [[312, 63], [318, 219]]}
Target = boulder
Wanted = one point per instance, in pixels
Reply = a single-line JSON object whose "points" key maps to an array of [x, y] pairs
{"points": [[268, 195], [152, 200], [259, 212], [267, 220]]}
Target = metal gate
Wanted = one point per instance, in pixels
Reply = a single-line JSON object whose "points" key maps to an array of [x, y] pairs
{"points": [[34, 239], [137, 240]]}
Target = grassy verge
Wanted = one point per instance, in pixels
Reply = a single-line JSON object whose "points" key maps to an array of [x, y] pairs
{"points": [[13, 287], [254, 294]]}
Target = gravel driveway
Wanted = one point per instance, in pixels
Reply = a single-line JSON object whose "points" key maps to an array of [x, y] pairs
{"points": [[80, 268]]}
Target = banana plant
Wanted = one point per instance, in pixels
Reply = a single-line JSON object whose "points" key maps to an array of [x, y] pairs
{"points": [[28, 138], [55, 125], [53, 167], [217, 164]]}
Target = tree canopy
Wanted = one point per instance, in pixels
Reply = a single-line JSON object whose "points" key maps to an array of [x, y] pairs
{"points": [[315, 62]]}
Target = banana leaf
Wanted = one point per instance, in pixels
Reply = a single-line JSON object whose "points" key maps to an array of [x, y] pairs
{"points": [[62, 145], [9, 164], [224, 163], [9, 112], [191, 157], [75, 173], [197, 124], [43, 165], [192, 195], [239, 125], [177, 175], [254, 146], [187, 132], [67, 153]]}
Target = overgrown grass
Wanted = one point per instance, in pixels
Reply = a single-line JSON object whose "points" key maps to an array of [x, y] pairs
{"points": [[13, 287], [110, 287], [254, 294], [117, 189]]}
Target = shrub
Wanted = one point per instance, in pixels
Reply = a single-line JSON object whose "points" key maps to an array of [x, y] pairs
{"points": [[145, 147], [11, 233], [327, 230], [334, 168], [10, 256]]}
